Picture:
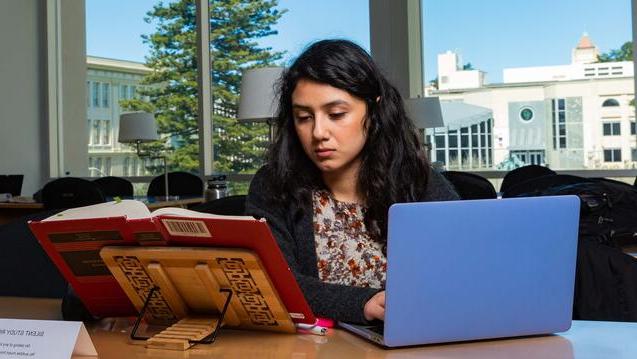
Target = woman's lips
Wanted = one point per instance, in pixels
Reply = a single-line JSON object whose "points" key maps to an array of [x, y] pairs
{"points": [[324, 153]]}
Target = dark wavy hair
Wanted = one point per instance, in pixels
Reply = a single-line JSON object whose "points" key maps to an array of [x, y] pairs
{"points": [[394, 167]]}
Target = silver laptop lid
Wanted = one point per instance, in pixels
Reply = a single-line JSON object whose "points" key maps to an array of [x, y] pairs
{"points": [[467, 270]]}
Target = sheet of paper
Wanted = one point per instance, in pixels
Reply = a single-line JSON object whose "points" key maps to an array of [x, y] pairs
{"points": [[129, 208], [50, 339]]}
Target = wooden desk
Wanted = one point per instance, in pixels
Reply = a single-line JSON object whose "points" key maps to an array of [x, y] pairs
{"points": [[11, 211], [584, 340]]}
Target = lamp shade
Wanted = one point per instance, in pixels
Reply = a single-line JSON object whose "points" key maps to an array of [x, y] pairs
{"points": [[137, 127], [425, 112], [258, 99]]}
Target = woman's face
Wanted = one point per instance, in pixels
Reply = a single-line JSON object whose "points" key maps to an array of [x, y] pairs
{"points": [[330, 125]]}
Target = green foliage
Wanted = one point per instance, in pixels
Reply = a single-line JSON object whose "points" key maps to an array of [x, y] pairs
{"points": [[624, 53], [171, 87]]}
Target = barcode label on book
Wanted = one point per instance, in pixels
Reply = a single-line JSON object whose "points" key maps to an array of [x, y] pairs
{"points": [[180, 227]]}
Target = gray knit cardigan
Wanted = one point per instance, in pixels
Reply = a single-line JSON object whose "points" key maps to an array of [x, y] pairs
{"points": [[294, 233]]}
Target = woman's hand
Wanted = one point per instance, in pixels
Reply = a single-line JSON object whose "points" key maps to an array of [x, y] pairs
{"points": [[375, 307]]}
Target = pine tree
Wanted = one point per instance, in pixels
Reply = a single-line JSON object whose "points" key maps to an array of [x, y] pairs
{"points": [[171, 88], [624, 53]]}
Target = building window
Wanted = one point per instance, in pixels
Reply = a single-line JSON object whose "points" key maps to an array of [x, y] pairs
{"points": [[106, 132], [613, 155], [632, 127], [611, 102], [95, 135], [612, 129], [106, 95], [633, 154], [558, 112], [96, 94], [123, 92]]}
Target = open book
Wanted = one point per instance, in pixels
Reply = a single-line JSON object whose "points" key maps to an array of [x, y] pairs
{"points": [[74, 238]]}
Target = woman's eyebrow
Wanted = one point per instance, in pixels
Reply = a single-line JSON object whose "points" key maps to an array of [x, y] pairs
{"points": [[297, 106]]}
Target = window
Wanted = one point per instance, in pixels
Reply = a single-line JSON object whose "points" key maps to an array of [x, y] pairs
{"points": [[613, 155], [558, 111], [611, 102], [96, 94], [632, 127], [633, 154], [106, 132], [612, 129], [95, 132], [106, 95]]}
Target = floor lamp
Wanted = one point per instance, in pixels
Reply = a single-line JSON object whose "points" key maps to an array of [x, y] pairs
{"points": [[258, 99], [137, 128]]}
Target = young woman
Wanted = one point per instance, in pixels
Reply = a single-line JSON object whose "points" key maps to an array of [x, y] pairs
{"points": [[344, 152]]}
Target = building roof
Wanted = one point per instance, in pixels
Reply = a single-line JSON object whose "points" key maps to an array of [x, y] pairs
{"points": [[104, 63], [585, 42], [459, 114]]}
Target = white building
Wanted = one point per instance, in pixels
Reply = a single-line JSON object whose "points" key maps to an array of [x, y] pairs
{"points": [[108, 82], [571, 116]]}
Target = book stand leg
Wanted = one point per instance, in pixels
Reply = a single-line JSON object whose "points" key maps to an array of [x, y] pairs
{"points": [[187, 332]]}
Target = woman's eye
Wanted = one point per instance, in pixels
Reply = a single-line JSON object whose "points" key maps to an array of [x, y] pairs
{"points": [[302, 118], [337, 114]]}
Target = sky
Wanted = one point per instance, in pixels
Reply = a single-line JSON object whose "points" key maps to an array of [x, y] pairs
{"points": [[490, 34]]}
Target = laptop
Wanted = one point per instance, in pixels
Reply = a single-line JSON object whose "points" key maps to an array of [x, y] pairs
{"points": [[472, 270], [11, 184]]}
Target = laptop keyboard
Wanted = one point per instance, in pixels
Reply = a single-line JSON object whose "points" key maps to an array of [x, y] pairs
{"points": [[380, 329]]}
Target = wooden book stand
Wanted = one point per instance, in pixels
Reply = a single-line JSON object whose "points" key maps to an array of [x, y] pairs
{"points": [[195, 291]]}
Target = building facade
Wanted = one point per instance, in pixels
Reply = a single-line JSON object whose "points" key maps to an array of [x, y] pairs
{"points": [[575, 116], [109, 81]]}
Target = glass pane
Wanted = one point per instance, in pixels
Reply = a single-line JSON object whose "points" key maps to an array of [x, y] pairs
{"points": [[617, 155], [125, 53], [440, 156], [504, 73], [464, 141], [440, 141], [608, 155], [453, 141], [607, 129]]}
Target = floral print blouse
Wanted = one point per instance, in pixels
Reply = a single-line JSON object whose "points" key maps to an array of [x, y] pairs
{"points": [[346, 254]]}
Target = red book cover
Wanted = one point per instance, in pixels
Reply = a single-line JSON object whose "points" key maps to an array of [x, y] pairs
{"points": [[73, 239], [73, 246]]}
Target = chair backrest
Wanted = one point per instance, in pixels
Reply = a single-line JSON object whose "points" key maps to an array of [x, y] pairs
{"points": [[230, 206], [522, 174], [71, 192], [11, 184], [115, 186], [470, 186], [179, 184], [542, 183]]}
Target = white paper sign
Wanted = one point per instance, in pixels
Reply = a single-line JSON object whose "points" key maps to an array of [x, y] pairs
{"points": [[50, 339]]}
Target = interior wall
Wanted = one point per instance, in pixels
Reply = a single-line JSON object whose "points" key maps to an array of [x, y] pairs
{"points": [[22, 143]]}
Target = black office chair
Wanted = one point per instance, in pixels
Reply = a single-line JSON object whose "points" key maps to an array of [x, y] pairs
{"points": [[231, 206], [179, 184], [26, 269], [71, 192], [470, 186], [115, 186], [536, 185], [521, 174]]}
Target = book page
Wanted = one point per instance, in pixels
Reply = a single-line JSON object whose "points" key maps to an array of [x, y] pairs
{"points": [[182, 212], [131, 209]]}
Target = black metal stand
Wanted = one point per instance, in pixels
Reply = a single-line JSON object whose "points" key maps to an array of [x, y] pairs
{"points": [[207, 340]]}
